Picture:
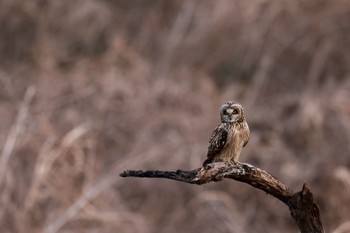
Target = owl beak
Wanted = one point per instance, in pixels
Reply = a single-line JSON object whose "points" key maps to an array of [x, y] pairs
{"points": [[229, 111]]}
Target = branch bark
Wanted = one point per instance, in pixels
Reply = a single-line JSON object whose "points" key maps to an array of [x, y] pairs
{"points": [[303, 209]]}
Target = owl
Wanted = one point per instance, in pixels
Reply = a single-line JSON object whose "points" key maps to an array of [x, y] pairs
{"points": [[228, 138]]}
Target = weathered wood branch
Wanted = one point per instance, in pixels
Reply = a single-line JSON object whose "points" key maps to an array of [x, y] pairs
{"points": [[303, 209]]}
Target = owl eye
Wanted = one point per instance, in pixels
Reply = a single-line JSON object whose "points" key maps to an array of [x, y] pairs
{"points": [[228, 111], [235, 111]]}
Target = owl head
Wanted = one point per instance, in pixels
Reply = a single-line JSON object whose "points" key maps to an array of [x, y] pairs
{"points": [[231, 112]]}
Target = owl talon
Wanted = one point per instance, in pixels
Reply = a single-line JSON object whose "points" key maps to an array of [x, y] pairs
{"points": [[233, 163]]}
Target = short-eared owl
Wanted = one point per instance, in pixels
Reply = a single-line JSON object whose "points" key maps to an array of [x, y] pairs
{"points": [[228, 138]]}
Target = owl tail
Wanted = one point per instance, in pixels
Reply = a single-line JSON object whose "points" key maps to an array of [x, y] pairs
{"points": [[207, 161]]}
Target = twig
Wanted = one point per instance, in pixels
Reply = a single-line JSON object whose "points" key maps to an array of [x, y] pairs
{"points": [[93, 191], [90, 194], [15, 131], [301, 205]]}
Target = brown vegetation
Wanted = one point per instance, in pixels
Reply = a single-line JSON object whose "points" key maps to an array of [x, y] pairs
{"points": [[89, 88]]}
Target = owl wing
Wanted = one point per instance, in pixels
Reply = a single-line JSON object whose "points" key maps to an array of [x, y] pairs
{"points": [[217, 142], [245, 143], [247, 132]]}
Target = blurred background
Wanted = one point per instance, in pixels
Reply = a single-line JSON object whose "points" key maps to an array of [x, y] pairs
{"points": [[89, 88]]}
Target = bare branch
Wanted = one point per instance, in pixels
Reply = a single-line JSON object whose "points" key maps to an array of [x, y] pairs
{"points": [[15, 131], [301, 205]]}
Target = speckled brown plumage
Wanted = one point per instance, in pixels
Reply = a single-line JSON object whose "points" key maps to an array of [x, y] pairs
{"points": [[228, 138]]}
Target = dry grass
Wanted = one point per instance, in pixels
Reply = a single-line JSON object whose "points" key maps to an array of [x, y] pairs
{"points": [[137, 84]]}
